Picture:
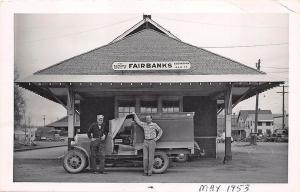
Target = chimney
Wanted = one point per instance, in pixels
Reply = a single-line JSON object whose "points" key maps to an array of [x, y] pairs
{"points": [[146, 16]]}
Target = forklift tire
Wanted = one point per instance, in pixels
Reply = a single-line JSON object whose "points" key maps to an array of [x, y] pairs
{"points": [[74, 161], [161, 162]]}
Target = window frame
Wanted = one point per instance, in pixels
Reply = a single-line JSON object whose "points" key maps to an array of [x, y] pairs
{"points": [[172, 98], [124, 99], [138, 100]]}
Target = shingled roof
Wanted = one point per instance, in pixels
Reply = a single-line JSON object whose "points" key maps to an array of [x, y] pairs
{"points": [[63, 122], [263, 114], [148, 45]]}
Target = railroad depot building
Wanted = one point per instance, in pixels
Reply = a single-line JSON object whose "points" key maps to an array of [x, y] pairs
{"points": [[149, 70]]}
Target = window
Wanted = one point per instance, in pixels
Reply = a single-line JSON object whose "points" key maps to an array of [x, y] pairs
{"points": [[259, 123], [169, 106], [268, 123], [259, 131], [125, 107], [148, 106]]}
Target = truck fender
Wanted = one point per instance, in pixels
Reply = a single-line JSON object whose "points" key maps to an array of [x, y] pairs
{"points": [[83, 150]]}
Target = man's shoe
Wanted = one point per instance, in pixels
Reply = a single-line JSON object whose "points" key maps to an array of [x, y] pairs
{"points": [[102, 172], [145, 174], [95, 172]]}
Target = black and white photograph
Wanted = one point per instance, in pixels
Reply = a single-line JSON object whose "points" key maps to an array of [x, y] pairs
{"points": [[152, 98]]}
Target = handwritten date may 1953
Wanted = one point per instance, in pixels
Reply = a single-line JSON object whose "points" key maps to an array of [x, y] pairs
{"points": [[225, 188]]}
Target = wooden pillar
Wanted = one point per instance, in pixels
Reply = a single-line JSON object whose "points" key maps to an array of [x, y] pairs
{"points": [[71, 115], [228, 111], [159, 105], [138, 105]]}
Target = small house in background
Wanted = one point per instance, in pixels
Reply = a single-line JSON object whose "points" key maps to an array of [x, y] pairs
{"points": [[61, 125], [56, 129], [235, 132], [43, 133], [265, 122]]}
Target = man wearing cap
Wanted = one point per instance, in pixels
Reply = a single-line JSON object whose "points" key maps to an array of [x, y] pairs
{"points": [[97, 133], [152, 133]]}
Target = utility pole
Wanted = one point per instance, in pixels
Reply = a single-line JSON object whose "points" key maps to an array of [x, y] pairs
{"points": [[44, 118], [283, 115], [254, 135], [25, 131], [29, 126]]}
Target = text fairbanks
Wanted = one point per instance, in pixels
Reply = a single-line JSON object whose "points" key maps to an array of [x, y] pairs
{"points": [[159, 65]]}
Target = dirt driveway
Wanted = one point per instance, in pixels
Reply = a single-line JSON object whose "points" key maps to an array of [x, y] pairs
{"points": [[264, 163]]}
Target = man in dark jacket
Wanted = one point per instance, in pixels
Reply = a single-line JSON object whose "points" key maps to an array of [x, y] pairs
{"points": [[97, 133]]}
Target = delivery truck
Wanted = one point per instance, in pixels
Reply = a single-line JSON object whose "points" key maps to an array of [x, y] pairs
{"points": [[124, 142]]}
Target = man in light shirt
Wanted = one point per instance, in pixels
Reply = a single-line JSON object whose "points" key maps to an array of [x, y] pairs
{"points": [[152, 133]]}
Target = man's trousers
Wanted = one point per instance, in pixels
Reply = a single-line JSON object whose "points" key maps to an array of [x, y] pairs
{"points": [[97, 150], [148, 155]]}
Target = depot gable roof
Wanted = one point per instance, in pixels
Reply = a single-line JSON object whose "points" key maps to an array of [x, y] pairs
{"points": [[145, 46], [147, 22]]}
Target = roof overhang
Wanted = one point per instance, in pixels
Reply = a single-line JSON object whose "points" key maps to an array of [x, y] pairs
{"points": [[54, 87], [230, 78]]}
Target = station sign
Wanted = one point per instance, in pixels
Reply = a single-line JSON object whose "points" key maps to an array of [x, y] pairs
{"points": [[152, 65]]}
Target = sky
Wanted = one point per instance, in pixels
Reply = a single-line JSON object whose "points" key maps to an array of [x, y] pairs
{"points": [[42, 40]]}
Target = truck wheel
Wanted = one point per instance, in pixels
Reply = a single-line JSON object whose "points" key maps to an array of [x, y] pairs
{"points": [[74, 161], [161, 162]]}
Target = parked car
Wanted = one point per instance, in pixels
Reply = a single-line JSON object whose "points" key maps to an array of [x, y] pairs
{"points": [[279, 135], [124, 143], [43, 138]]}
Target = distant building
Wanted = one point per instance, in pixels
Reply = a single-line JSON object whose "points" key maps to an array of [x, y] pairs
{"points": [[236, 132], [61, 125], [265, 124], [221, 123]]}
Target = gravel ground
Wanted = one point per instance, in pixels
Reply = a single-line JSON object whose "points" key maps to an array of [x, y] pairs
{"points": [[45, 153], [40, 145], [264, 163]]}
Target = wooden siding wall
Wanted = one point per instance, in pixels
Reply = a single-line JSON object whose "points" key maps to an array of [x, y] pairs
{"points": [[90, 108], [205, 122]]}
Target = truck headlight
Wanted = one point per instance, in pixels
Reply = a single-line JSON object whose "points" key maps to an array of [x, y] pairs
{"points": [[181, 156], [75, 140]]}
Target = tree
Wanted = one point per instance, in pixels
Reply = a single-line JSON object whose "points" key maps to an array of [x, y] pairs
{"points": [[19, 104]]}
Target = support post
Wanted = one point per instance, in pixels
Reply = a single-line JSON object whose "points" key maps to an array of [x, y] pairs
{"points": [[254, 135], [228, 111], [71, 115]]}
